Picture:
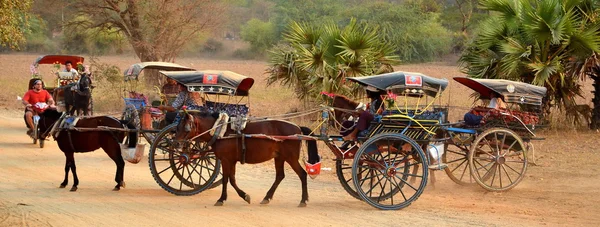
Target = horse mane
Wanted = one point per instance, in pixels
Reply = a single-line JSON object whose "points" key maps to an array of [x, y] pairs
{"points": [[346, 99]]}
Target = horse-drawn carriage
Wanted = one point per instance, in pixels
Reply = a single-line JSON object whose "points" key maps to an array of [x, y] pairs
{"points": [[61, 85], [141, 111], [190, 167], [390, 165]]}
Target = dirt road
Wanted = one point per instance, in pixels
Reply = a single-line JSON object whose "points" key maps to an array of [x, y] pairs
{"points": [[562, 191]]}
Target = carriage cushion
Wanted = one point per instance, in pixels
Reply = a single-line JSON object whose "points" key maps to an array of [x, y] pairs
{"points": [[231, 109], [488, 114], [220, 126], [238, 123]]}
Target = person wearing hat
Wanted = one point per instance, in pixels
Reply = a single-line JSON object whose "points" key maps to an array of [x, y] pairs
{"points": [[35, 95], [362, 126]]}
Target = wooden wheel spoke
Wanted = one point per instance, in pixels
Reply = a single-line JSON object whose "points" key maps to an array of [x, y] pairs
{"points": [[459, 165], [511, 168], [456, 152], [509, 147], [406, 183], [400, 189], [507, 174]]}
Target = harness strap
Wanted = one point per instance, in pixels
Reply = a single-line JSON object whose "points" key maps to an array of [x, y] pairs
{"points": [[243, 158]]}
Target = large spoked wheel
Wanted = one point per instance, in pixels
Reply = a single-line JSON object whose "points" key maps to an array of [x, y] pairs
{"points": [[498, 159], [343, 170], [456, 156], [381, 171], [182, 168]]}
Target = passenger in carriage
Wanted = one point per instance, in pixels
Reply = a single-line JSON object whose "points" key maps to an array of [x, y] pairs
{"points": [[192, 101], [69, 68], [496, 102], [31, 99]]}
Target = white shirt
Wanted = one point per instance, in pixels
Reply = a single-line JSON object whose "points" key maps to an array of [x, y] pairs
{"points": [[493, 103], [73, 70]]}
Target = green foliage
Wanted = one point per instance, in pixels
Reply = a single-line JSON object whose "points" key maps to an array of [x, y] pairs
{"points": [[320, 56], [261, 35], [14, 22], [535, 42], [418, 36], [37, 36], [94, 40]]}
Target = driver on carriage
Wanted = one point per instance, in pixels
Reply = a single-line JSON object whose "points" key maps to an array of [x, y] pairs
{"points": [[192, 101], [36, 100], [69, 68], [375, 107]]}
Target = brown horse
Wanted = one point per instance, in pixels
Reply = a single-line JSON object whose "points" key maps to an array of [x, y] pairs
{"points": [[340, 102], [230, 150], [71, 141]]}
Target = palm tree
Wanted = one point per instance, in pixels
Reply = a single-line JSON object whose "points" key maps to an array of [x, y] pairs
{"points": [[318, 57], [535, 41]]}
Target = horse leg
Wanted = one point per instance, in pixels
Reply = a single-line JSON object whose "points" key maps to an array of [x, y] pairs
{"points": [[67, 169], [113, 150], [239, 191], [225, 167], [302, 175], [75, 178], [279, 175]]}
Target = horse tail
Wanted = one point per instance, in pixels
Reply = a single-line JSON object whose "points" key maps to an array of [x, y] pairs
{"points": [[133, 136], [313, 152]]}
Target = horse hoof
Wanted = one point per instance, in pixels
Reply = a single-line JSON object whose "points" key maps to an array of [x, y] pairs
{"points": [[62, 186], [218, 204], [73, 189], [302, 205], [247, 198], [265, 202], [116, 189]]}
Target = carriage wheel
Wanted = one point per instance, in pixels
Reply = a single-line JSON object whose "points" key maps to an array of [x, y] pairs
{"points": [[457, 159], [498, 159], [344, 174], [381, 173], [182, 168]]}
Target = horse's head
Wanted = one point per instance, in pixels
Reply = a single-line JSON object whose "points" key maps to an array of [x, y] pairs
{"points": [[85, 82], [48, 118], [195, 123]]}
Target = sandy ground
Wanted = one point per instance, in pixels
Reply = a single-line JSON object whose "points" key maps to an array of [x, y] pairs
{"points": [[561, 191]]}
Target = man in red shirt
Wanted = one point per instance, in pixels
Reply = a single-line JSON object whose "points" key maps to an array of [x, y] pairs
{"points": [[33, 96]]}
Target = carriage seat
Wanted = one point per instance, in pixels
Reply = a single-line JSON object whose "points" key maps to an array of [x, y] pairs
{"points": [[489, 114], [66, 75], [427, 115], [233, 110]]}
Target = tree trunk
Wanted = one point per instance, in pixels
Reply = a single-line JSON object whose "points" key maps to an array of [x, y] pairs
{"points": [[595, 122]]}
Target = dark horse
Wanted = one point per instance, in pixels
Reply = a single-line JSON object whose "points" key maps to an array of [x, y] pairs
{"points": [[77, 95], [229, 150], [71, 141]]}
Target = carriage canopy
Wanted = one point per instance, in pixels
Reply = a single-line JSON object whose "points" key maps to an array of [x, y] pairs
{"points": [[134, 70], [404, 83], [51, 59], [213, 81], [510, 91]]}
